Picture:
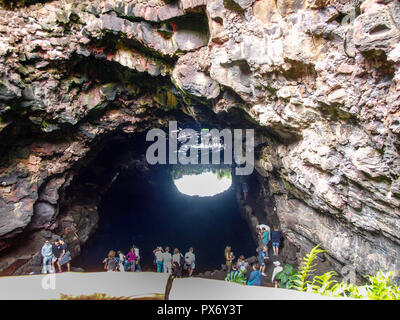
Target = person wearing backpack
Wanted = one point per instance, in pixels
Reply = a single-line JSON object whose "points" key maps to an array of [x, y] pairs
{"points": [[255, 278], [177, 263]]}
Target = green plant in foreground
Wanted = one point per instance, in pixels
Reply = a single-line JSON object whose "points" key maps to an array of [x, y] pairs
{"points": [[306, 268], [236, 277], [104, 296], [286, 276], [379, 287]]}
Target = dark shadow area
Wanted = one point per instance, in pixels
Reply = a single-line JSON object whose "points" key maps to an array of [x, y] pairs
{"points": [[145, 208]]}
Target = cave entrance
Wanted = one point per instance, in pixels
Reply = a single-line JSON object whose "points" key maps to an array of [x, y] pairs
{"points": [[143, 206]]}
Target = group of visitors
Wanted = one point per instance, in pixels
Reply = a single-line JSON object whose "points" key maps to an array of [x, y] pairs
{"points": [[176, 263], [117, 261], [55, 254], [163, 260], [258, 269], [267, 237]]}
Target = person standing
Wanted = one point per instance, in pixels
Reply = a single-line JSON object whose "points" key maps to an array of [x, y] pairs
{"points": [[190, 259], [56, 250], [177, 263], [47, 255], [242, 265], [263, 259], [159, 258], [137, 252], [121, 262], [276, 238], [229, 257], [278, 268], [167, 260], [110, 263], [65, 256], [131, 256]]}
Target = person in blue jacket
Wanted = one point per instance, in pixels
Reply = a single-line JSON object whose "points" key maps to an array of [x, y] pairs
{"points": [[255, 278], [263, 259]]}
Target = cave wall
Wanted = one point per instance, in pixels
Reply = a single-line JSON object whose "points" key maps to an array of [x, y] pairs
{"points": [[319, 79]]}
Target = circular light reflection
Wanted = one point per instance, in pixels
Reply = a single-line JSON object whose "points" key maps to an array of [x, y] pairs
{"points": [[206, 184]]}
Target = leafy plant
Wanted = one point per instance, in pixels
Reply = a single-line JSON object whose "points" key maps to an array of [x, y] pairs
{"points": [[306, 269], [236, 277], [379, 287], [324, 283], [286, 276], [104, 296]]}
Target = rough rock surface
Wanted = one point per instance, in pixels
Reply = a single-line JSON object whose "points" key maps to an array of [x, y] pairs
{"points": [[320, 79]]}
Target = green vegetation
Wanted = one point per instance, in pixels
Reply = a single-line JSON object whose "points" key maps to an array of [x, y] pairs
{"points": [[236, 277], [221, 171], [104, 296], [286, 277], [379, 287]]}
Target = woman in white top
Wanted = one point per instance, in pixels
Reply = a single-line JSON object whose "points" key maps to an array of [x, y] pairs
{"points": [[121, 257], [278, 268], [138, 267]]}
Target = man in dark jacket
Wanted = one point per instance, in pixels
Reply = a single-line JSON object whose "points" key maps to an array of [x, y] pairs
{"points": [[57, 250], [65, 256], [276, 238]]}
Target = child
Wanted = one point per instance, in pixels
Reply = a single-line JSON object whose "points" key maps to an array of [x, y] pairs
{"points": [[110, 263], [234, 271], [242, 265], [276, 238], [121, 261], [263, 259], [255, 278]]}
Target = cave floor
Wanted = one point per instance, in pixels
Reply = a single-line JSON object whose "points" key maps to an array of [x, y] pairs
{"points": [[144, 285]]}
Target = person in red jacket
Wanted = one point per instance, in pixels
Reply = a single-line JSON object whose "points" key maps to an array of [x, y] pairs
{"points": [[131, 256]]}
